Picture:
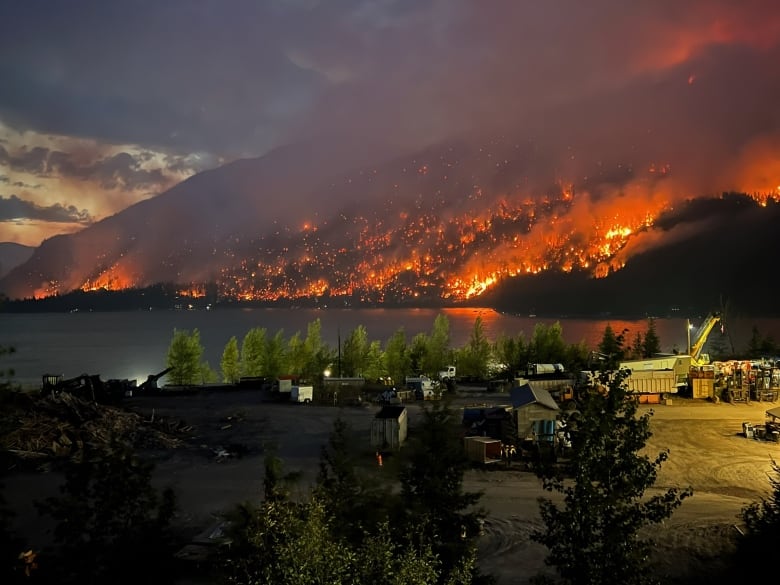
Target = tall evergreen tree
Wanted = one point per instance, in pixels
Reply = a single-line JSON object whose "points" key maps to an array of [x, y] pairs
{"points": [[651, 345], [611, 348], [440, 512], [107, 516], [762, 523], [593, 537]]}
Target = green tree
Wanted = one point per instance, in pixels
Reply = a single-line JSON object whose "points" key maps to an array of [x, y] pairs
{"points": [[296, 355], [577, 357], [397, 359], [440, 512], [637, 347], [231, 369], [375, 364], [593, 536], [438, 352], [107, 517], [275, 359], [11, 546], [184, 355], [759, 345], [512, 351], [318, 353], [356, 502], [207, 374], [474, 358], [354, 356], [762, 523], [652, 343], [418, 353], [253, 351], [611, 348], [547, 344]]}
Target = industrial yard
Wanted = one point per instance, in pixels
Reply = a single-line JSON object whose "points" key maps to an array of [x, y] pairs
{"points": [[221, 464]]}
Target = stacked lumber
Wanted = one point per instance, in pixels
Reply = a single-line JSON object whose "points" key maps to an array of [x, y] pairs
{"points": [[60, 426]]}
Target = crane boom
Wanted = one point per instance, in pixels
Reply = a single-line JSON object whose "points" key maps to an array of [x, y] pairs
{"points": [[701, 337]]}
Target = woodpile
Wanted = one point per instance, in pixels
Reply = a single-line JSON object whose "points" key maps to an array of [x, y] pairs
{"points": [[60, 425]]}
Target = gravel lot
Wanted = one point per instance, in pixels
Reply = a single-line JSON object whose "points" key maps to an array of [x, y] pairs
{"points": [[707, 452]]}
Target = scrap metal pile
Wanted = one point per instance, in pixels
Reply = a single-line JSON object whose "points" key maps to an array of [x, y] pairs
{"points": [[46, 428]]}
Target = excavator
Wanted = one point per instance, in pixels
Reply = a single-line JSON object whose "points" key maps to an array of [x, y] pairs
{"points": [[150, 385]]}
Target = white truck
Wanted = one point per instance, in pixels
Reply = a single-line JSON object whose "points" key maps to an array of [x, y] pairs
{"points": [[544, 369], [419, 383], [303, 394], [448, 373]]}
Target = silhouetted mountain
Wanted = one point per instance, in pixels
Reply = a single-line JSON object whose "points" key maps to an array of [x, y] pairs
{"points": [[13, 255]]}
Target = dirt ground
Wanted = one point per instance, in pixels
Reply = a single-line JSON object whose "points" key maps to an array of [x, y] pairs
{"points": [[223, 465]]}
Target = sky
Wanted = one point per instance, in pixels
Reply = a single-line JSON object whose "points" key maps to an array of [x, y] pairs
{"points": [[104, 104]]}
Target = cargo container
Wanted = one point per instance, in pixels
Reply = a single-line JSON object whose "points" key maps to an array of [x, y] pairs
{"points": [[482, 450]]}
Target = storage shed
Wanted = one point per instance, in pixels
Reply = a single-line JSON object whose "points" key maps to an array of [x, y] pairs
{"points": [[536, 413], [389, 428]]}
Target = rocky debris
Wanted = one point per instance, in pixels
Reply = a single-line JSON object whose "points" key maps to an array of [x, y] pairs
{"points": [[59, 426]]}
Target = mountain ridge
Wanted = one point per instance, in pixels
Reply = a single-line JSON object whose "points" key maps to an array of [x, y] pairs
{"points": [[419, 228]]}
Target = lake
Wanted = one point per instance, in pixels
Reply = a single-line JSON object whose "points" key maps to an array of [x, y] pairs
{"points": [[133, 345]]}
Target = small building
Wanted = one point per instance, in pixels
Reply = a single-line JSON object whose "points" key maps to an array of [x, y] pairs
{"points": [[389, 428], [343, 390], [536, 413]]}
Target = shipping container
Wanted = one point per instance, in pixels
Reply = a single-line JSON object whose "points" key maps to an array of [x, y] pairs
{"points": [[482, 450]]}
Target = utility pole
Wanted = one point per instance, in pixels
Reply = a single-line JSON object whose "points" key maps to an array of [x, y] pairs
{"points": [[688, 331], [338, 331]]}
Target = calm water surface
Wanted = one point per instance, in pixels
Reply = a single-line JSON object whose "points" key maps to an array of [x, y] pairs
{"points": [[134, 344]]}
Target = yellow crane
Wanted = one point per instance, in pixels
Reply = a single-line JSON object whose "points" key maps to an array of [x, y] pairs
{"points": [[696, 344]]}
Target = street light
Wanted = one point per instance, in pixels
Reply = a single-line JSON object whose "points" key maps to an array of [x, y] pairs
{"points": [[688, 331]]}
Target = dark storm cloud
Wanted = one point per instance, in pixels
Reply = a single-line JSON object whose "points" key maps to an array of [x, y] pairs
{"points": [[234, 78], [13, 208], [119, 171]]}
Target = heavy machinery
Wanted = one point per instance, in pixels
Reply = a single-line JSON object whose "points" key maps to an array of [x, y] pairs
{"points": [[150, 385], [700, 339], [86, 387], [92, 387]]}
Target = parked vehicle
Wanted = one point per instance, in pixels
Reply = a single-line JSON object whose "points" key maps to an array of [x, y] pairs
{"points": [[448, 373], [304, 394], [541, 369], [419, 383]]}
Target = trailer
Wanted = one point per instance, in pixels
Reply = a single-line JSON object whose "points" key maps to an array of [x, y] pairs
{"points": [[302, 394], [652, 386], [389, 428]]}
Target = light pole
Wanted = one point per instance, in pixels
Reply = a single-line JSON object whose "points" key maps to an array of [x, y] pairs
{"points": [[688, 331]]}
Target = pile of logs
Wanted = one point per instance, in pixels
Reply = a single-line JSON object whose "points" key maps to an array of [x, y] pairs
{"points": [[60, 425]]}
